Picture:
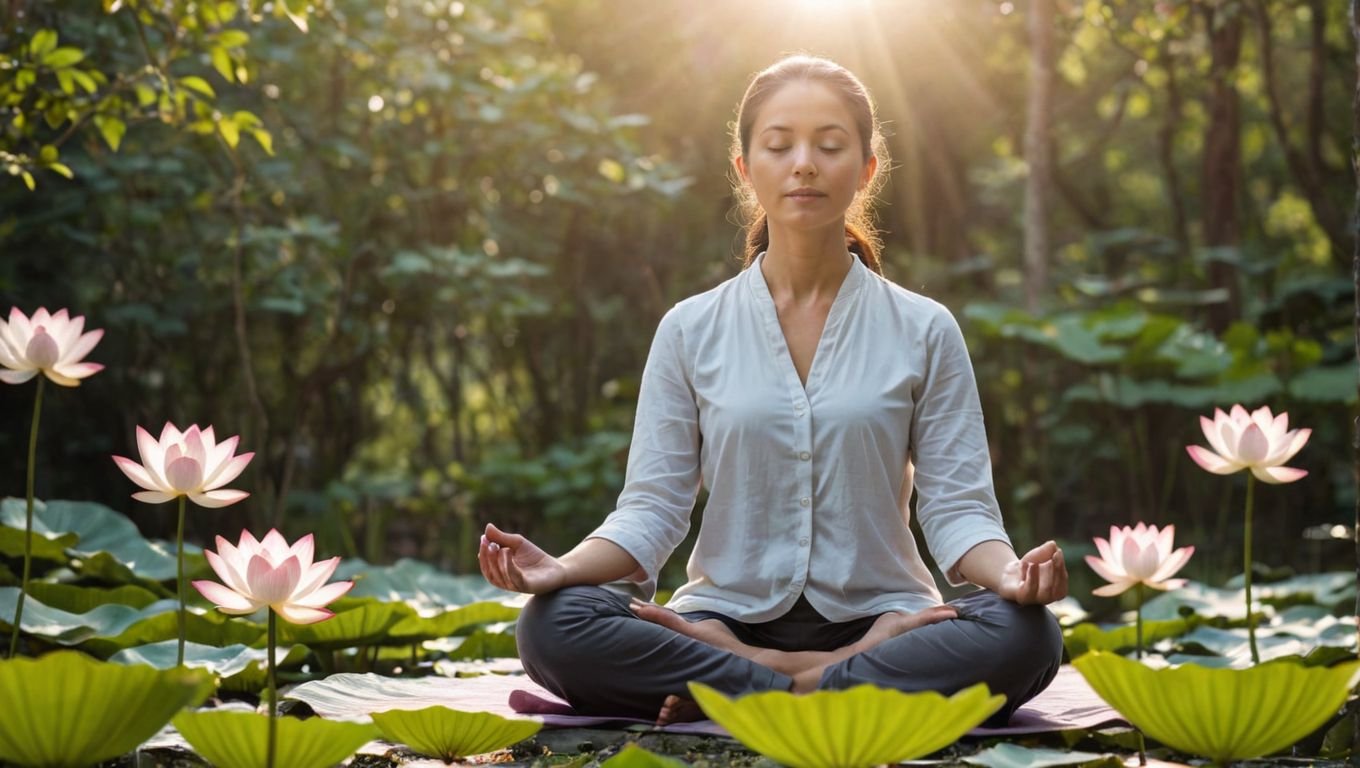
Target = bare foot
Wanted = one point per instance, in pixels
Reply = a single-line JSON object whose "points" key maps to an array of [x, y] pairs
{"points": [[678, 710]]}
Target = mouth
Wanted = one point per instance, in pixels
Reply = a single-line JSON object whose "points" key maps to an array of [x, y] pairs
{"points": [[805, 194]]}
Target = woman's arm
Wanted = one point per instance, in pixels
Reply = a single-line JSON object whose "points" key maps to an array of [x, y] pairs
{"points": [[1038, 578]]}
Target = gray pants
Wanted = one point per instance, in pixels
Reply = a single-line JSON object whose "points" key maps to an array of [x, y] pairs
{"points": [[583, 644]]}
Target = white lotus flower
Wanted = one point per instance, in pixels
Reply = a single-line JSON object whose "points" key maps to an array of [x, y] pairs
{"points": [[190, 463], [50, 344]]}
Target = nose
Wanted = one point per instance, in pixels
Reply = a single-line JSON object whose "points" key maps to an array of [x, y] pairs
{"points": [[802, 163]]}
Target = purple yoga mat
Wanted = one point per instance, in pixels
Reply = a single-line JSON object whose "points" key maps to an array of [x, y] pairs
{"points": [[1069, 703]]}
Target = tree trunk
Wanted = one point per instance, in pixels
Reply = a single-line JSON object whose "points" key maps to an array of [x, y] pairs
{"points": [[1038, 154], [1222, 154], [1166, 145], [1355, 277]]}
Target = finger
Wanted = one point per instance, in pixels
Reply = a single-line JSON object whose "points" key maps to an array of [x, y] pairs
{"points": [[494, 555], [483, 563], [512, 574], [941, 613], [1045, 579], [1029, 585], [498, 536], [1042, 553], [1060, 577]]}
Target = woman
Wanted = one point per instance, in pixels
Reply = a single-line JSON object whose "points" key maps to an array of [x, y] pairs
{"points": [[802, 392]]}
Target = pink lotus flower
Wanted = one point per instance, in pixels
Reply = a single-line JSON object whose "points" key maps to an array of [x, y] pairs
{"points": [[52, 345], [269, 573], [190, 463], [1140, 555], [1258, 441]]}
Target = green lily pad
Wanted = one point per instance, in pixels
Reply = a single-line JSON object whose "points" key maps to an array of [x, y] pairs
{"points": [[1007, 755], [46, 546], [110, 628], [356, 622], [420, 585], [633, 756], [1331, 589], [450, 734], [239, 739], [482, 644], [1202, 599], [108, 542], [75, 599], [1089, 637], [853, 728], [417, 628], [66, 709], [241, 668], [1221, 714]]}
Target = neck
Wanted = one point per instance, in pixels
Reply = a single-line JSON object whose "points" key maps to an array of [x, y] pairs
{"points": [[806, 266]]}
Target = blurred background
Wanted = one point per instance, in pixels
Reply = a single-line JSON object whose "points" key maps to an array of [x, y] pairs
{"points": [[414, 251]]}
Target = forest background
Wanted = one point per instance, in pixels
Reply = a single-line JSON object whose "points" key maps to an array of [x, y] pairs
{"points": [[413, 251]]}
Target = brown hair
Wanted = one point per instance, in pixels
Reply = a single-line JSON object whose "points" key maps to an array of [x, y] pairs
{"points": [[861, 237]]}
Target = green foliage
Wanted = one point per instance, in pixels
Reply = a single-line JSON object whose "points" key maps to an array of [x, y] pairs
{"points": [[1222, 714], [853, 728], [451, 735], [238, 739], [66, 710]]}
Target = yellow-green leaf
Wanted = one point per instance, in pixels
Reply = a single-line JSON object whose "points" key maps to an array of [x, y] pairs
{"points": [[239, 739], [48, 154], [227, 11], [230, 133], [112, 6], [199, 85], [44, 41], [66, 709], [612, 170], [855, 728], [1222, 714], [66, 82], [84, 80], [450, 734], [265, 140], [222, 63], [63, 57], [232, 38], [112, 128], [633, 756], [146, 95], [29, 181]]}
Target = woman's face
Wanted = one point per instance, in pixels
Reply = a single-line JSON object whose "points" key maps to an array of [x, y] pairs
{"points": [[805, 160]]}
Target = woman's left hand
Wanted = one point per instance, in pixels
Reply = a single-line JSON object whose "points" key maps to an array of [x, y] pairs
{"points": [[1038, 578]]}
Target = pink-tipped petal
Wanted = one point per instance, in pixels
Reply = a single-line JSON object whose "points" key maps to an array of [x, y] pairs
{"points": [[297, 614], [225, 473], [154, 497], [1105, 570], [153, 457], [193, 446], [217, 499], [77, 371], [1212, 462], [315, 576], [277, 546], [1278, 475], [1240, 416], [66, 331], [225, 571], [1166, 541], [270, 584], [19, 326], [1292, 443], [1110, 590], [82, 347], [1167, 585], [221, 453], [169, 434], [184, 474], [224, 598], [304, 549], [324, 596], [137, 473], [60, 379], [248, 543], [1172, 564], [1106, 553]]}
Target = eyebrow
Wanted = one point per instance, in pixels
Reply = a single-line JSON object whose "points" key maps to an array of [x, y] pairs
{"points": [[785, 128]]}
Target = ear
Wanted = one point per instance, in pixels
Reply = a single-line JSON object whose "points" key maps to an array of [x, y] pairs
{"points": [[740, 164], [869, 169]]}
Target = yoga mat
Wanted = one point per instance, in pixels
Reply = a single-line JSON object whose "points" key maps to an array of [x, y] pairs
{"points": [[1068, 703]]}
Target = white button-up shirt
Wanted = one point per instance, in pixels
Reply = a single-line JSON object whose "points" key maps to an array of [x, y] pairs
{"points": [[808, 485]]}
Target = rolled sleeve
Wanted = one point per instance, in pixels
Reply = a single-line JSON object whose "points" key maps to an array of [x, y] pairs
{"points": [[663, 477], [956, 502]]}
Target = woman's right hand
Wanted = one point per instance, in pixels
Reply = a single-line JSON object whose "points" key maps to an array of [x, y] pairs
{"points": [[513, 563]]}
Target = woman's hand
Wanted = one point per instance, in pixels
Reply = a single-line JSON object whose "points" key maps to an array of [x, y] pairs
{"points": [[514, 563], [1038, 578]]}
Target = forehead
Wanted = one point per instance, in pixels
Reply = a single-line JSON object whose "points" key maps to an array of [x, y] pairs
{"points": [[804, 106]]}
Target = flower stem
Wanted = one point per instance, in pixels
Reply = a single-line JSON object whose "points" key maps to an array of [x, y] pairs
{"points": [[28, 520], [273, 691], [1138, 611], [1246, 559], [179, 580]]}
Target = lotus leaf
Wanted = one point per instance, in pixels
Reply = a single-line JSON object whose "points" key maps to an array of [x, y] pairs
{"points": [[66, 709], [46, 546], [356, 622], [450, 734], [420, 585], [1089, 637], [241, 668], [1221, 714], [69, 597], [853, 728], [110, 628], [103, 531], [417, 628], [633, 756], [239, 739]]}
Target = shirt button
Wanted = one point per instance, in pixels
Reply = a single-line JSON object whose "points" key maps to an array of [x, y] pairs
{"points": [[805, 456], [803, 542], [805, 501]]}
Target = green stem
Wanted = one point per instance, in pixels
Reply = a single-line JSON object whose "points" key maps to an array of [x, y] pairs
{"points": [[179, 579], [1139, 621], [1246, 559], [273, 691], [28, 520]]}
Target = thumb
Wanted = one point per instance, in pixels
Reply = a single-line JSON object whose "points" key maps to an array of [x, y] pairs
{"points": [[1042, 553], [498, 536]]}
